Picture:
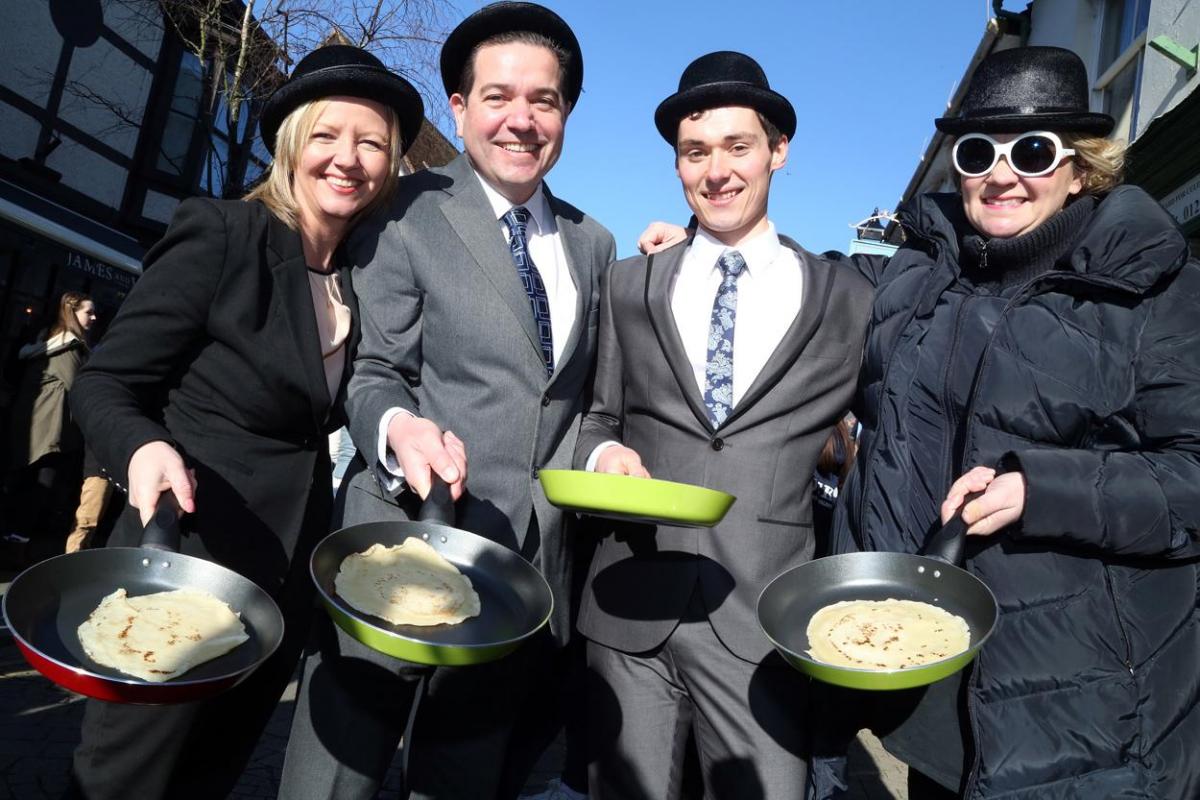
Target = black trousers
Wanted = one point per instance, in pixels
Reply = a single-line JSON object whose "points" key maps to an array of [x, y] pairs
{"points": [[190, 750]]}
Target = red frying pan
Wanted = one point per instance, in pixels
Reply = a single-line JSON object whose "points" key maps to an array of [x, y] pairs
{"points": [[46, 604]]}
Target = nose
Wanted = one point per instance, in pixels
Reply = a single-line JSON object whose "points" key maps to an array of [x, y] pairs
{"points": [[520, 115], [1002, 173], [718, 167], [345, 154]]}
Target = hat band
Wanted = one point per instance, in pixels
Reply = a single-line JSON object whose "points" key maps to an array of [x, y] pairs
{"points": [[1023, 111]]}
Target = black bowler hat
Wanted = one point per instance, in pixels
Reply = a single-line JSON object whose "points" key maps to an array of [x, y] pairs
{"points": [[508, 17], [1025, 89], [720, 79], [340, 69]]}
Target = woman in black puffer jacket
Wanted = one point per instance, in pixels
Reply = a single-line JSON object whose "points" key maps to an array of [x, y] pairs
{"points": [[1038, 337]]}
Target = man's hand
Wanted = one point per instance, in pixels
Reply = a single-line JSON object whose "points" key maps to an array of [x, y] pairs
{"points": [[420, 446], [660, 236], [621, 460], [1002, 502], [154, 468]]}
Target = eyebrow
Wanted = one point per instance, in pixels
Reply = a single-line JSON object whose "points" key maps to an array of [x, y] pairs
{"points": [[507, 87], [733, 137]]}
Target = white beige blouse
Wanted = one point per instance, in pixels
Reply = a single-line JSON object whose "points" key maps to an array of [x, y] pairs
{"points": [[333, 325]]}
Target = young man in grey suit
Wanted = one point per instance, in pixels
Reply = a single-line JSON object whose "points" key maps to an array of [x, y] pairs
{"points": [[724, 361], [468, 351]]}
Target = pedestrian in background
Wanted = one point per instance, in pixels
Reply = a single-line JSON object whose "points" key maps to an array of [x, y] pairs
{"points": [[45, 448]]}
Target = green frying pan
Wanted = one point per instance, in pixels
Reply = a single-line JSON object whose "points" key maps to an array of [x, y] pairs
{"points": [[515, 600], [630, 499]]}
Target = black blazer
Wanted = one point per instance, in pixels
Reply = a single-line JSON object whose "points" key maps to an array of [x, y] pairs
{"points": [[216, 351]]}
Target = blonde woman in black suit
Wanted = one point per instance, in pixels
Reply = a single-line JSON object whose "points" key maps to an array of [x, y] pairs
{"points": [[219, 381]]}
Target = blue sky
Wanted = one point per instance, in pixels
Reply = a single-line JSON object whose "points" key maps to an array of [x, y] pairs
{"points": [[867, 79]]}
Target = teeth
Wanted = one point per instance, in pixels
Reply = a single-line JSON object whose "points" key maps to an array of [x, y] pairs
{"points": [[719, 196], [1005, 203], [345, 183], [519, 148]]}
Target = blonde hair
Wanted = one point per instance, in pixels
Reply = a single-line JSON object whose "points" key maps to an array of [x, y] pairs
{"points": [[276, 192], [1100, 161]]}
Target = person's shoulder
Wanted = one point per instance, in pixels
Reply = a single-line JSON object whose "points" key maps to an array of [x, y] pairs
{"points": [[226, 213], [848, 278]]}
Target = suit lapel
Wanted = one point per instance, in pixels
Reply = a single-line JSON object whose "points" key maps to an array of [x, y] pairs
{"points": [[472, 218], [291, 276], [661, 272], [817, 286]]}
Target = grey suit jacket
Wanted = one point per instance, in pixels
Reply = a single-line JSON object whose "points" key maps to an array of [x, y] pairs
{"points": [[646, 396], [447, 333]]}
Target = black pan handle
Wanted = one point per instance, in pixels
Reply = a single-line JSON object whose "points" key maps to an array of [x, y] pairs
{"points": [[162, 532], [438, 506], [948, 542]]}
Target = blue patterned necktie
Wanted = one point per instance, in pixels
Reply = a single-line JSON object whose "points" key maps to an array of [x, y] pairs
{"points": [[718, 373], [517, 220]]}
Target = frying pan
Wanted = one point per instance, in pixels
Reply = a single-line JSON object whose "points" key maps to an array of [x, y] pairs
{"points": [[46, 604], [515, 600], [630, 499], [788, 603]]}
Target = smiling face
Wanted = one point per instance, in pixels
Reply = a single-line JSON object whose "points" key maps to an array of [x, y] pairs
{"points": [[724, 162], [512, 121], [1003, 204], [343, 164]]}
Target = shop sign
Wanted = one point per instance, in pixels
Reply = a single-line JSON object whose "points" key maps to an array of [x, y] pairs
{"points": [[100, 269], [1184, 203]]}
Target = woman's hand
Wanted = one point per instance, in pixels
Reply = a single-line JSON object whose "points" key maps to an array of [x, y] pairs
{"points": [[621, 460], [155, 468], [1002, 502], [660, 236]]}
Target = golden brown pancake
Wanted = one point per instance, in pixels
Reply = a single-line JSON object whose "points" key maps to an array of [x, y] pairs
{"points": [[406, 584], [160, 636], [885, 634]]}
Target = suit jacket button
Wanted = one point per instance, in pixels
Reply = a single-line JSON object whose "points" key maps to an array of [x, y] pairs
{"points": [[718, 443], [545, 400], [533, 473]]}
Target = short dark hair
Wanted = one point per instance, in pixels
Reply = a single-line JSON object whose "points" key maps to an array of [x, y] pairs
{"points": [[773, 133], [466, 81]]}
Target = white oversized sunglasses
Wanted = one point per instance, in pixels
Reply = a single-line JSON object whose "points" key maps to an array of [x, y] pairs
{"points": [[1030, 155]]}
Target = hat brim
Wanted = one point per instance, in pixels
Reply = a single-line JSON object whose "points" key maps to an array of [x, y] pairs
{"points": [[772, 105], [368, 83], [500, 18], [1066, 122]]}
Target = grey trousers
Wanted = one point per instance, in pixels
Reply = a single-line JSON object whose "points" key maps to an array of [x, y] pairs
{"points": [[748, 720]]}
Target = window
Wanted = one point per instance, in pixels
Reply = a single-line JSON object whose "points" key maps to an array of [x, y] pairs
{"points": [[182, 117], [1123, 38]]}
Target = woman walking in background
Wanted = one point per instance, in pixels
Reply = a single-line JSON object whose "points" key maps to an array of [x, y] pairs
{"points": [[45, 448]]}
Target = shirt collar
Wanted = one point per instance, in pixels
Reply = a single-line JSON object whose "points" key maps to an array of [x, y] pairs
{"points": [[759, 252], [537, 206]]}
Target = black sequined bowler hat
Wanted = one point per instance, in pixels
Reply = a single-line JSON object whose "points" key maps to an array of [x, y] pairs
{"points": [[507, 17], [720, 79], [340, 69], [1025, 89]]}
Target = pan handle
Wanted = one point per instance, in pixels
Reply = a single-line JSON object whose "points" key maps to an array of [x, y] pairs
{"points": [[438, 506], [162, 532], [948, 542]]}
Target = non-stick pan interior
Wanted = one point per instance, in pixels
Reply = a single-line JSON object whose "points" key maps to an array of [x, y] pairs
{"points": [[789, 602], [46, 604], [514, 599]]}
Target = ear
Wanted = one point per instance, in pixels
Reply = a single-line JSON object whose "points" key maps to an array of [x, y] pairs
{"points": [[780, 153], [1076, 185], [458, 106]]}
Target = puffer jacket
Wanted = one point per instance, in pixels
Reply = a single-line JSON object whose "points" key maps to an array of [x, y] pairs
{"points": [[1089, 383]]}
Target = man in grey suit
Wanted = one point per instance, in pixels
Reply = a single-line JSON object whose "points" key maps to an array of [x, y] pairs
{"points": [[724, 361], [462, 333]]}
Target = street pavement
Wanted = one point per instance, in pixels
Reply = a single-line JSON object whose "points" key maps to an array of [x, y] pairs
{"points": [[39, 728]]}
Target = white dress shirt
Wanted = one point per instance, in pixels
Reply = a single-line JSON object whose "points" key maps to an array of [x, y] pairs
{"points": [[546, 247], [769, 293]]}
